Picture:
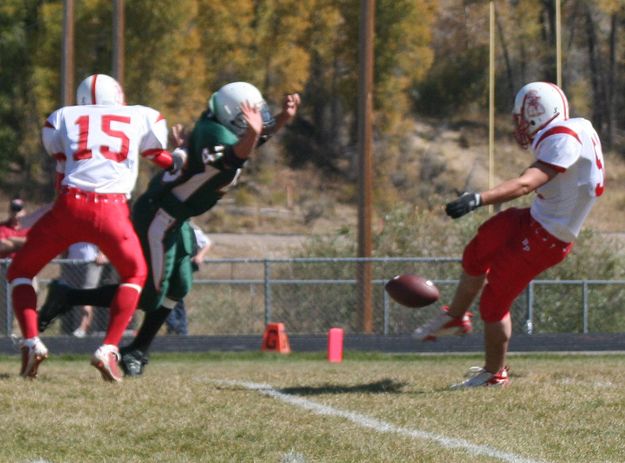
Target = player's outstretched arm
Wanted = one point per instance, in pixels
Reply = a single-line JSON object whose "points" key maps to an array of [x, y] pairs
{"points": [[290, 105], [536, 175]]}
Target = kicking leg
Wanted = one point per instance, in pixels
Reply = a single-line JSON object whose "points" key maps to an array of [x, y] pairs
{"points": [[61, 298], [455, 319], [466, 292]]}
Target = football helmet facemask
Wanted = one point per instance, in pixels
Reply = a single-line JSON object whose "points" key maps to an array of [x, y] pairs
{"points": [[225, 105], [99, 89], [535, 106]]}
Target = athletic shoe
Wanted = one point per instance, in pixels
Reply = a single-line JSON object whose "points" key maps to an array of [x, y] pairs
{"points": [[33, 353], [133, 361], [54, 305], [444, 325], [480, 377], [79, 333], [105, 359]]}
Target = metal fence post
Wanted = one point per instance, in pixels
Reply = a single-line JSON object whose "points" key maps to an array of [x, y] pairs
{"points": [[529, 324], [585, 306], [8, 307], [267, 278], [385, 306]]}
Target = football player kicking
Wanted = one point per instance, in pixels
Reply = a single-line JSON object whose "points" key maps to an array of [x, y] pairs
{"points": [[97, 145], [516, 245], [224, 137]]}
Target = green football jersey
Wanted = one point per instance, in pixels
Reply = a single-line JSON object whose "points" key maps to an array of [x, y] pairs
{"points": [[211, 169], [161, 214]]}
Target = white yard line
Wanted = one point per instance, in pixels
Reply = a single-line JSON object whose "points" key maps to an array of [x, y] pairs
{"points": [[293, 457], [382, 426]]}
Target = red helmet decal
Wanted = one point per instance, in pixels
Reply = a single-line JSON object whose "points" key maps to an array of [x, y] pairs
{"points": [[534, 107]]}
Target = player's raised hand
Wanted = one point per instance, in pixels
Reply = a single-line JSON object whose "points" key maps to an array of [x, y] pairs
{"points": [[290, 105], [252, 117], [178, 136]]}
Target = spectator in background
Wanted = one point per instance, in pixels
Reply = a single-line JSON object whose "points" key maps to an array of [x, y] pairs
{"points": [[177, 322], [12, 237], [12, 232], [84, 274]]}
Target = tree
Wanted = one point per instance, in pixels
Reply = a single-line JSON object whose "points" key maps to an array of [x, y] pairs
{"points": [[166, 61], [19, 33], [403, 54], [601, 25]]}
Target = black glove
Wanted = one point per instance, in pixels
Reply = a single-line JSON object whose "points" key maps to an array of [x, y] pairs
{"points": [[463, 205]]}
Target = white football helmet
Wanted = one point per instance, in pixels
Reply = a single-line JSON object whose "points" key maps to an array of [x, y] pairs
{"points": [[226, 102], [536, 105], [99, 89]]}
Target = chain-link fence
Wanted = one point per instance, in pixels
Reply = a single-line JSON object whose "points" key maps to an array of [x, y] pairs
{"points": [[310, 295], [76, 273]]}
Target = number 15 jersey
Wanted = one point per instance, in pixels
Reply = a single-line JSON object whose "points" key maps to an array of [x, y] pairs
{"points": [[97, 148]]}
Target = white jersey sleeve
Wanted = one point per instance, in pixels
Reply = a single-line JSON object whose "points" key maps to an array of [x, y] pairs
{"points": [[52, 137], [156, 131], [559, 147], [200, 237], [573, 149]]}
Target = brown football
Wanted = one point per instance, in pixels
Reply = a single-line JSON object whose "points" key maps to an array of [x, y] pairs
{"points": [[412, 290]]}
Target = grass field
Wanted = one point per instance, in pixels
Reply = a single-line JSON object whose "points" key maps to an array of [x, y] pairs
{"points": [[299, 408]]}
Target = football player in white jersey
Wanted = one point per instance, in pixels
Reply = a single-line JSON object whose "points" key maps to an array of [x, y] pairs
{"points": [[514, 246], [97, 145]]}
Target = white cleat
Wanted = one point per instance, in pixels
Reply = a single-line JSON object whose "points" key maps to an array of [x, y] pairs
{"points": [[480, 378], [33, 353], [444, 325], [106, 360]]}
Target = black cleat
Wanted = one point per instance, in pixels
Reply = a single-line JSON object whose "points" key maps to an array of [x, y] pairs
{"points": [[132, 361], [54, 305]]}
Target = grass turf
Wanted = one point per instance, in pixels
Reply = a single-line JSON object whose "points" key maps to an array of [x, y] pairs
{"points": [[197, 408]]}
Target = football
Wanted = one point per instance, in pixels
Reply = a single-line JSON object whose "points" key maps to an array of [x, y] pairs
{"points": [[412, 290]]}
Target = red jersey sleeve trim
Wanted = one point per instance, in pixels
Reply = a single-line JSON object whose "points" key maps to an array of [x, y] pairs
{"points": [[558, 130], [48, 125], [59, 156], [160, 117], [151, 153], [161, 158]]}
